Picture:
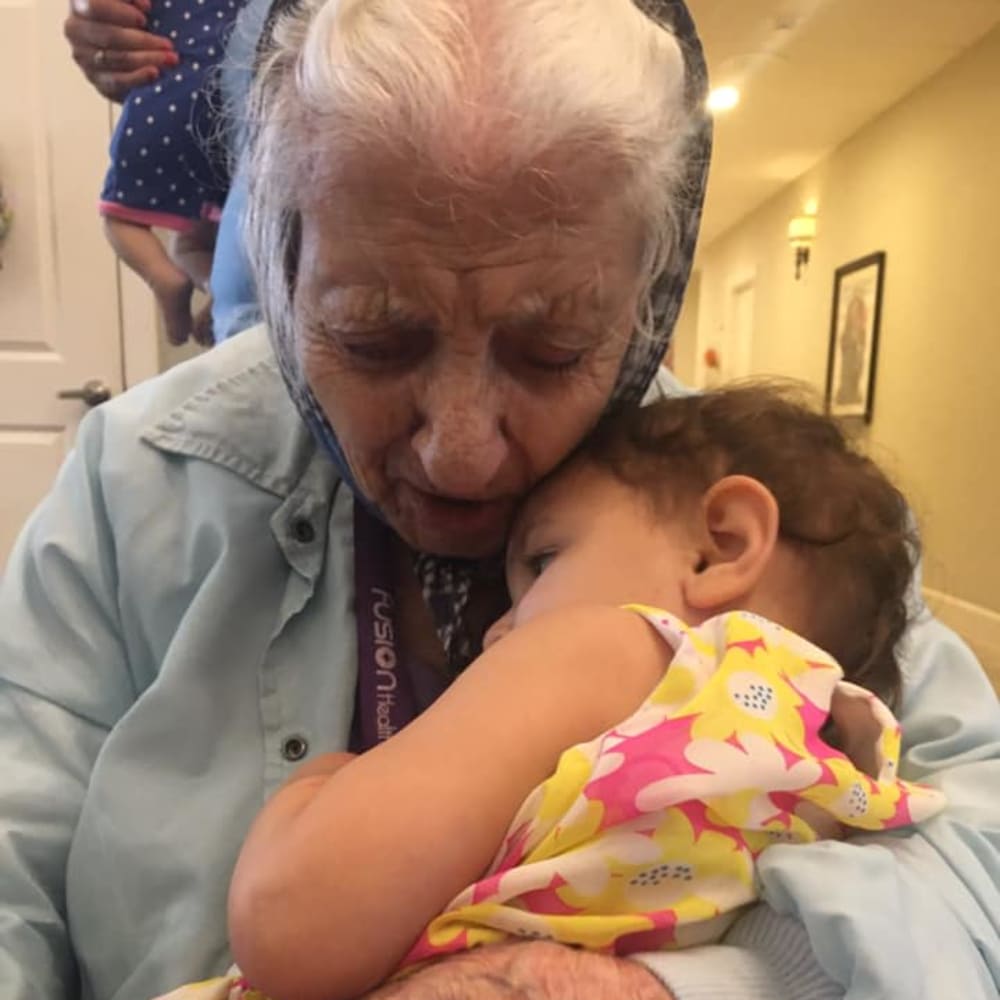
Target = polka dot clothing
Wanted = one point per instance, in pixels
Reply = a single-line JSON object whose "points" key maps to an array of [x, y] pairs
{"points": [[168, 165]]}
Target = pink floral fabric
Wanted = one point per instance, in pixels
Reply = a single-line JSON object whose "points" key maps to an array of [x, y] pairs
{"points": [[647, 836]]}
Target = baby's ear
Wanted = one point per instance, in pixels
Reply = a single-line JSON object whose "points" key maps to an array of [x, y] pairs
{"points": [[737, 522]]}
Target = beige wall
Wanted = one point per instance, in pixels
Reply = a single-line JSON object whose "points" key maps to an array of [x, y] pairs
{"points": [[923, 184], [685, 342]]}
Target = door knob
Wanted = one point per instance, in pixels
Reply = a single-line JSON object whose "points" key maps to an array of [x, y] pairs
{"points": [[93, 393]]}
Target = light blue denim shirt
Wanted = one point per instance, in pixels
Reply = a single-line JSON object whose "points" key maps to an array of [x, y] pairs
{"points": [[176, 629], [234, 297]]}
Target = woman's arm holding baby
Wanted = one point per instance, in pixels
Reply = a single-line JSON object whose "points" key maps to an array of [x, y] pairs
{"points": [[341, 872]]}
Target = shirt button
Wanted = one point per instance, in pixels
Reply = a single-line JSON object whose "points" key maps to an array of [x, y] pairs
{"points": [[303, 531], [294, 748]]}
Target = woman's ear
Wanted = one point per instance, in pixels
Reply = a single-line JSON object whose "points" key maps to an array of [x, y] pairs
{"points": [[737, 522]]}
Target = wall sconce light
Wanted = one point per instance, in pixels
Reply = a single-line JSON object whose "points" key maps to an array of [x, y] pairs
{"points": [[801, 235]]}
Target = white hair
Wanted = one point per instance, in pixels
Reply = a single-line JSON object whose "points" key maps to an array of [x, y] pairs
{"points": [[478, 90]]}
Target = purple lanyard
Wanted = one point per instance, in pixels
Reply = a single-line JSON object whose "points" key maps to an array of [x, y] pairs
{"points": [[386, 699]]}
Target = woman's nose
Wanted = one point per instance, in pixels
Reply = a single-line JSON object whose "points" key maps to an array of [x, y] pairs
{"points": [[461, 442]]}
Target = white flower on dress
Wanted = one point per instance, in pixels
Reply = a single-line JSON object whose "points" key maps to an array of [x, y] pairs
{"points": [[755, 768], [753, 694], [587, 871]]}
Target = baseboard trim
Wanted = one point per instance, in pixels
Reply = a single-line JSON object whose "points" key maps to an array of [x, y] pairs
{"points": [[978, 626]]}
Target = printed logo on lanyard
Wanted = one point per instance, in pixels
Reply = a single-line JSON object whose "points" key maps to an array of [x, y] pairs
{"points": [[386, 662], [385, 702]]}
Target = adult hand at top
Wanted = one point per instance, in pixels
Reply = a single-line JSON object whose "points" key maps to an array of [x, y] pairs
{"points": [[110, 44]]}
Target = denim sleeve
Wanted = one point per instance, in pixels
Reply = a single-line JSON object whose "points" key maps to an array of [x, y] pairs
{"points": [[914, 915], [234, 298], [63, 684], [765, 957]]}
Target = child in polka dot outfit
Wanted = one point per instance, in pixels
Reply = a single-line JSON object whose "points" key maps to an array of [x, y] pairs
{"points": [[607, 773], [168, 168]]}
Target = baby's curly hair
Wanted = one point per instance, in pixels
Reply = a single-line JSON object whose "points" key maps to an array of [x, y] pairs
{"points": [[837, 508]]}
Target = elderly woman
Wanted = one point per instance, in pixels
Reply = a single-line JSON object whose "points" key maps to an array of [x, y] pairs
{"points": [[471, 223]]}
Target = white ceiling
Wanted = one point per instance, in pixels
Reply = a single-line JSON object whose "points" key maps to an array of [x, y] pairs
{"points": [[812, 73]]}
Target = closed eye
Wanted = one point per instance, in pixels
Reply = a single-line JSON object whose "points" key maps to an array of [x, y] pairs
{"points": [[556, 364], [542, 350], [385, 350], [539, 562]]}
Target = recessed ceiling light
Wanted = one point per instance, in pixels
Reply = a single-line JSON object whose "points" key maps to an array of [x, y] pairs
{"points": [[723, 99]]}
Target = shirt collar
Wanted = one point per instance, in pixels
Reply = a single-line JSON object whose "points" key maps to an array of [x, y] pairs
{"points": [[238, 416]]}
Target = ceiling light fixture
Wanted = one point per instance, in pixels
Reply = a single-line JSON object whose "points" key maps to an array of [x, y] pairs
{"points": [[723, 99]]}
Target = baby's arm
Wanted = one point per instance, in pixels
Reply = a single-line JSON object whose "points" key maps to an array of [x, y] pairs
{"points": [[341, 873]]}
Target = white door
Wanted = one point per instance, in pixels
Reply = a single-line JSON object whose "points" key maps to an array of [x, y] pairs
{"points": [[59, 306]]}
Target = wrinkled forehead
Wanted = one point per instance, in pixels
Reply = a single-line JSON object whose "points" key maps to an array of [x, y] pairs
{"points": [[551, 237], [575, 187]]}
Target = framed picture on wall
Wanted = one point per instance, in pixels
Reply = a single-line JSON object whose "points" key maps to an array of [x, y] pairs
{"points": [[857, 314]]}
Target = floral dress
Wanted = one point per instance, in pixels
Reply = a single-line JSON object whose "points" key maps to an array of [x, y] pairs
{"points": [[647, 836]]}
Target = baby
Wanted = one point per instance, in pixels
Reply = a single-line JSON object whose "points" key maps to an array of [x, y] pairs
{"points": [[606, 774], [168, 167]]}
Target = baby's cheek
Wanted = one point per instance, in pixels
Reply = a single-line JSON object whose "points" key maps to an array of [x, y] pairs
{"points": [[554, 590]]}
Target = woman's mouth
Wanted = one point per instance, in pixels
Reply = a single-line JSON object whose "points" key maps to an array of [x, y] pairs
{"points": [[457, 526]]}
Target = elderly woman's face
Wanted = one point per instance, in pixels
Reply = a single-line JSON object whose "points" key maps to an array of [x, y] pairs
{"points": [[461, 347]]}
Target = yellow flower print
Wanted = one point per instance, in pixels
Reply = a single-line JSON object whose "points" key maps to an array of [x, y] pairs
{"points": [[590, 876], [861, 802], [688, 875], [700, 869], [855, 799], [459, 928], [751, 689], [746, 697], [554, 811], [646, 837], [538, 899]]}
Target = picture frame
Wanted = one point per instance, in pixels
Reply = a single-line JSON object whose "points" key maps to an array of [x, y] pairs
{"points": [[854, 333]]}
